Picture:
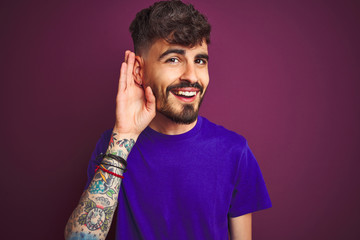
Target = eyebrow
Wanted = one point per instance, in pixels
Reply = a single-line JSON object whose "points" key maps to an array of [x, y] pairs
{"points": [[202, 55], [167, 52], [182, 52]]}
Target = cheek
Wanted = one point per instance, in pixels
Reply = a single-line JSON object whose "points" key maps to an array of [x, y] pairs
{"points": [[205, 80], [161, 81], [155, 90], [158, 90], [151, 79]]}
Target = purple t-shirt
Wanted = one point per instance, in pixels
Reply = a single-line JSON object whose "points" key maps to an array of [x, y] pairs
{"points": [[186, 186]]}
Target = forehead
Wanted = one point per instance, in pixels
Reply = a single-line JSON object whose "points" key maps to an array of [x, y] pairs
{"points": [[160, 46]]}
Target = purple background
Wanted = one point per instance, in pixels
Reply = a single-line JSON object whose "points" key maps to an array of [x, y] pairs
{"points": [[285, 74]]}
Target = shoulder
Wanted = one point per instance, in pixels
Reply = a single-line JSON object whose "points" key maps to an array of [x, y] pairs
{"points": [[222, 134]]}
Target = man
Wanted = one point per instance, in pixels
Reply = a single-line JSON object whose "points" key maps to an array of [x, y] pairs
{"points": [[186, 178]]}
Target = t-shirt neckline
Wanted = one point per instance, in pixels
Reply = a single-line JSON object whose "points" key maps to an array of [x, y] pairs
{"points": [[183, 136]]}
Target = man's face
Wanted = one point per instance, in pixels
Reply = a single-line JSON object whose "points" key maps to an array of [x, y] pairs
{"points": [[179, 77]]}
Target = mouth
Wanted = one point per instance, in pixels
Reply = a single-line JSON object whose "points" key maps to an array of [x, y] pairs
{"points": [[185, 94]]}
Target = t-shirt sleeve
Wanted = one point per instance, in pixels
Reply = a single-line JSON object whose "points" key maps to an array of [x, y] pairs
{"points": [[250, 193], [101, 147]]}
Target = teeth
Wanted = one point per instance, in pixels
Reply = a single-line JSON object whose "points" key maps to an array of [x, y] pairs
{"points": [[187, 94]]}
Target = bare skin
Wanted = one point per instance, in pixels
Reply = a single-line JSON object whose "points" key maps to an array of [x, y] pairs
{"points": [[135, 108], [240, 227], [141, 79], [167, 65]]}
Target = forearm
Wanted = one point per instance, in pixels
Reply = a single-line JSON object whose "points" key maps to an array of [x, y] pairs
{"points": [[92, 218], [135, 108]]}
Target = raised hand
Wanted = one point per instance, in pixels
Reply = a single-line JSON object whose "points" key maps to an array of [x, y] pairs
{"points": [[135, 106]]}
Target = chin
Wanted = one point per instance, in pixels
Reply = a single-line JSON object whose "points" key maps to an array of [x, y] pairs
{"points": [[187, 116]]}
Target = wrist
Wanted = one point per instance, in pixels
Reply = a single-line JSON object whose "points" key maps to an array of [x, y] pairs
{"points": [[120, 144], [125, 135]]}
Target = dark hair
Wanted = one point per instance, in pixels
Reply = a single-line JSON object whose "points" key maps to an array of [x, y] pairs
{"points": [[174, 21]]}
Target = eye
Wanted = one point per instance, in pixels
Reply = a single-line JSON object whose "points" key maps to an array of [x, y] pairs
{"points": [[172, 60], [201, 61]]}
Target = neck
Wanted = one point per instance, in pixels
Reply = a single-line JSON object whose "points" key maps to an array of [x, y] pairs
{"points": [[164, 125]]}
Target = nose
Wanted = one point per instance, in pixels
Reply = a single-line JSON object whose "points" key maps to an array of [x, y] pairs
{"points": [[189, 73]]}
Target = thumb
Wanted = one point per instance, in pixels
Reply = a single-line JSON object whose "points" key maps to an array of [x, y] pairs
{"points": [[150, 100]]}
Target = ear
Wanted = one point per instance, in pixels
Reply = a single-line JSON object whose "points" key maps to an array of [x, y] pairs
{"points": [[138, 71]]}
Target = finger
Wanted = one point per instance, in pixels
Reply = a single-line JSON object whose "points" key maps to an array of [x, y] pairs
{"points": [[126, 55], [122, 78], [130, 67], [150, 100]]}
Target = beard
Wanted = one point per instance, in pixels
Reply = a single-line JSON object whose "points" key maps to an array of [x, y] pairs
{"points": [[188, 112], [187, 115]]}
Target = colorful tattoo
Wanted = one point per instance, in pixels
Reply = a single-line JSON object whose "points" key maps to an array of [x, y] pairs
{"points": [[126, 143], [82, 235], [112, 139], [103, 183], [110, 193], [103, 201], [97, 187], [96, 217], [92, 217], [118, 153]]}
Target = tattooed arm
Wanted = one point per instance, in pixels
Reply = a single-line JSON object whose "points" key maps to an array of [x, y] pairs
{"points": [[92, 217], [135, 108]]}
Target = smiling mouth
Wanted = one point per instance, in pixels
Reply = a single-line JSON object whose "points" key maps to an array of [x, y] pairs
{"points": [[184, 94]]}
